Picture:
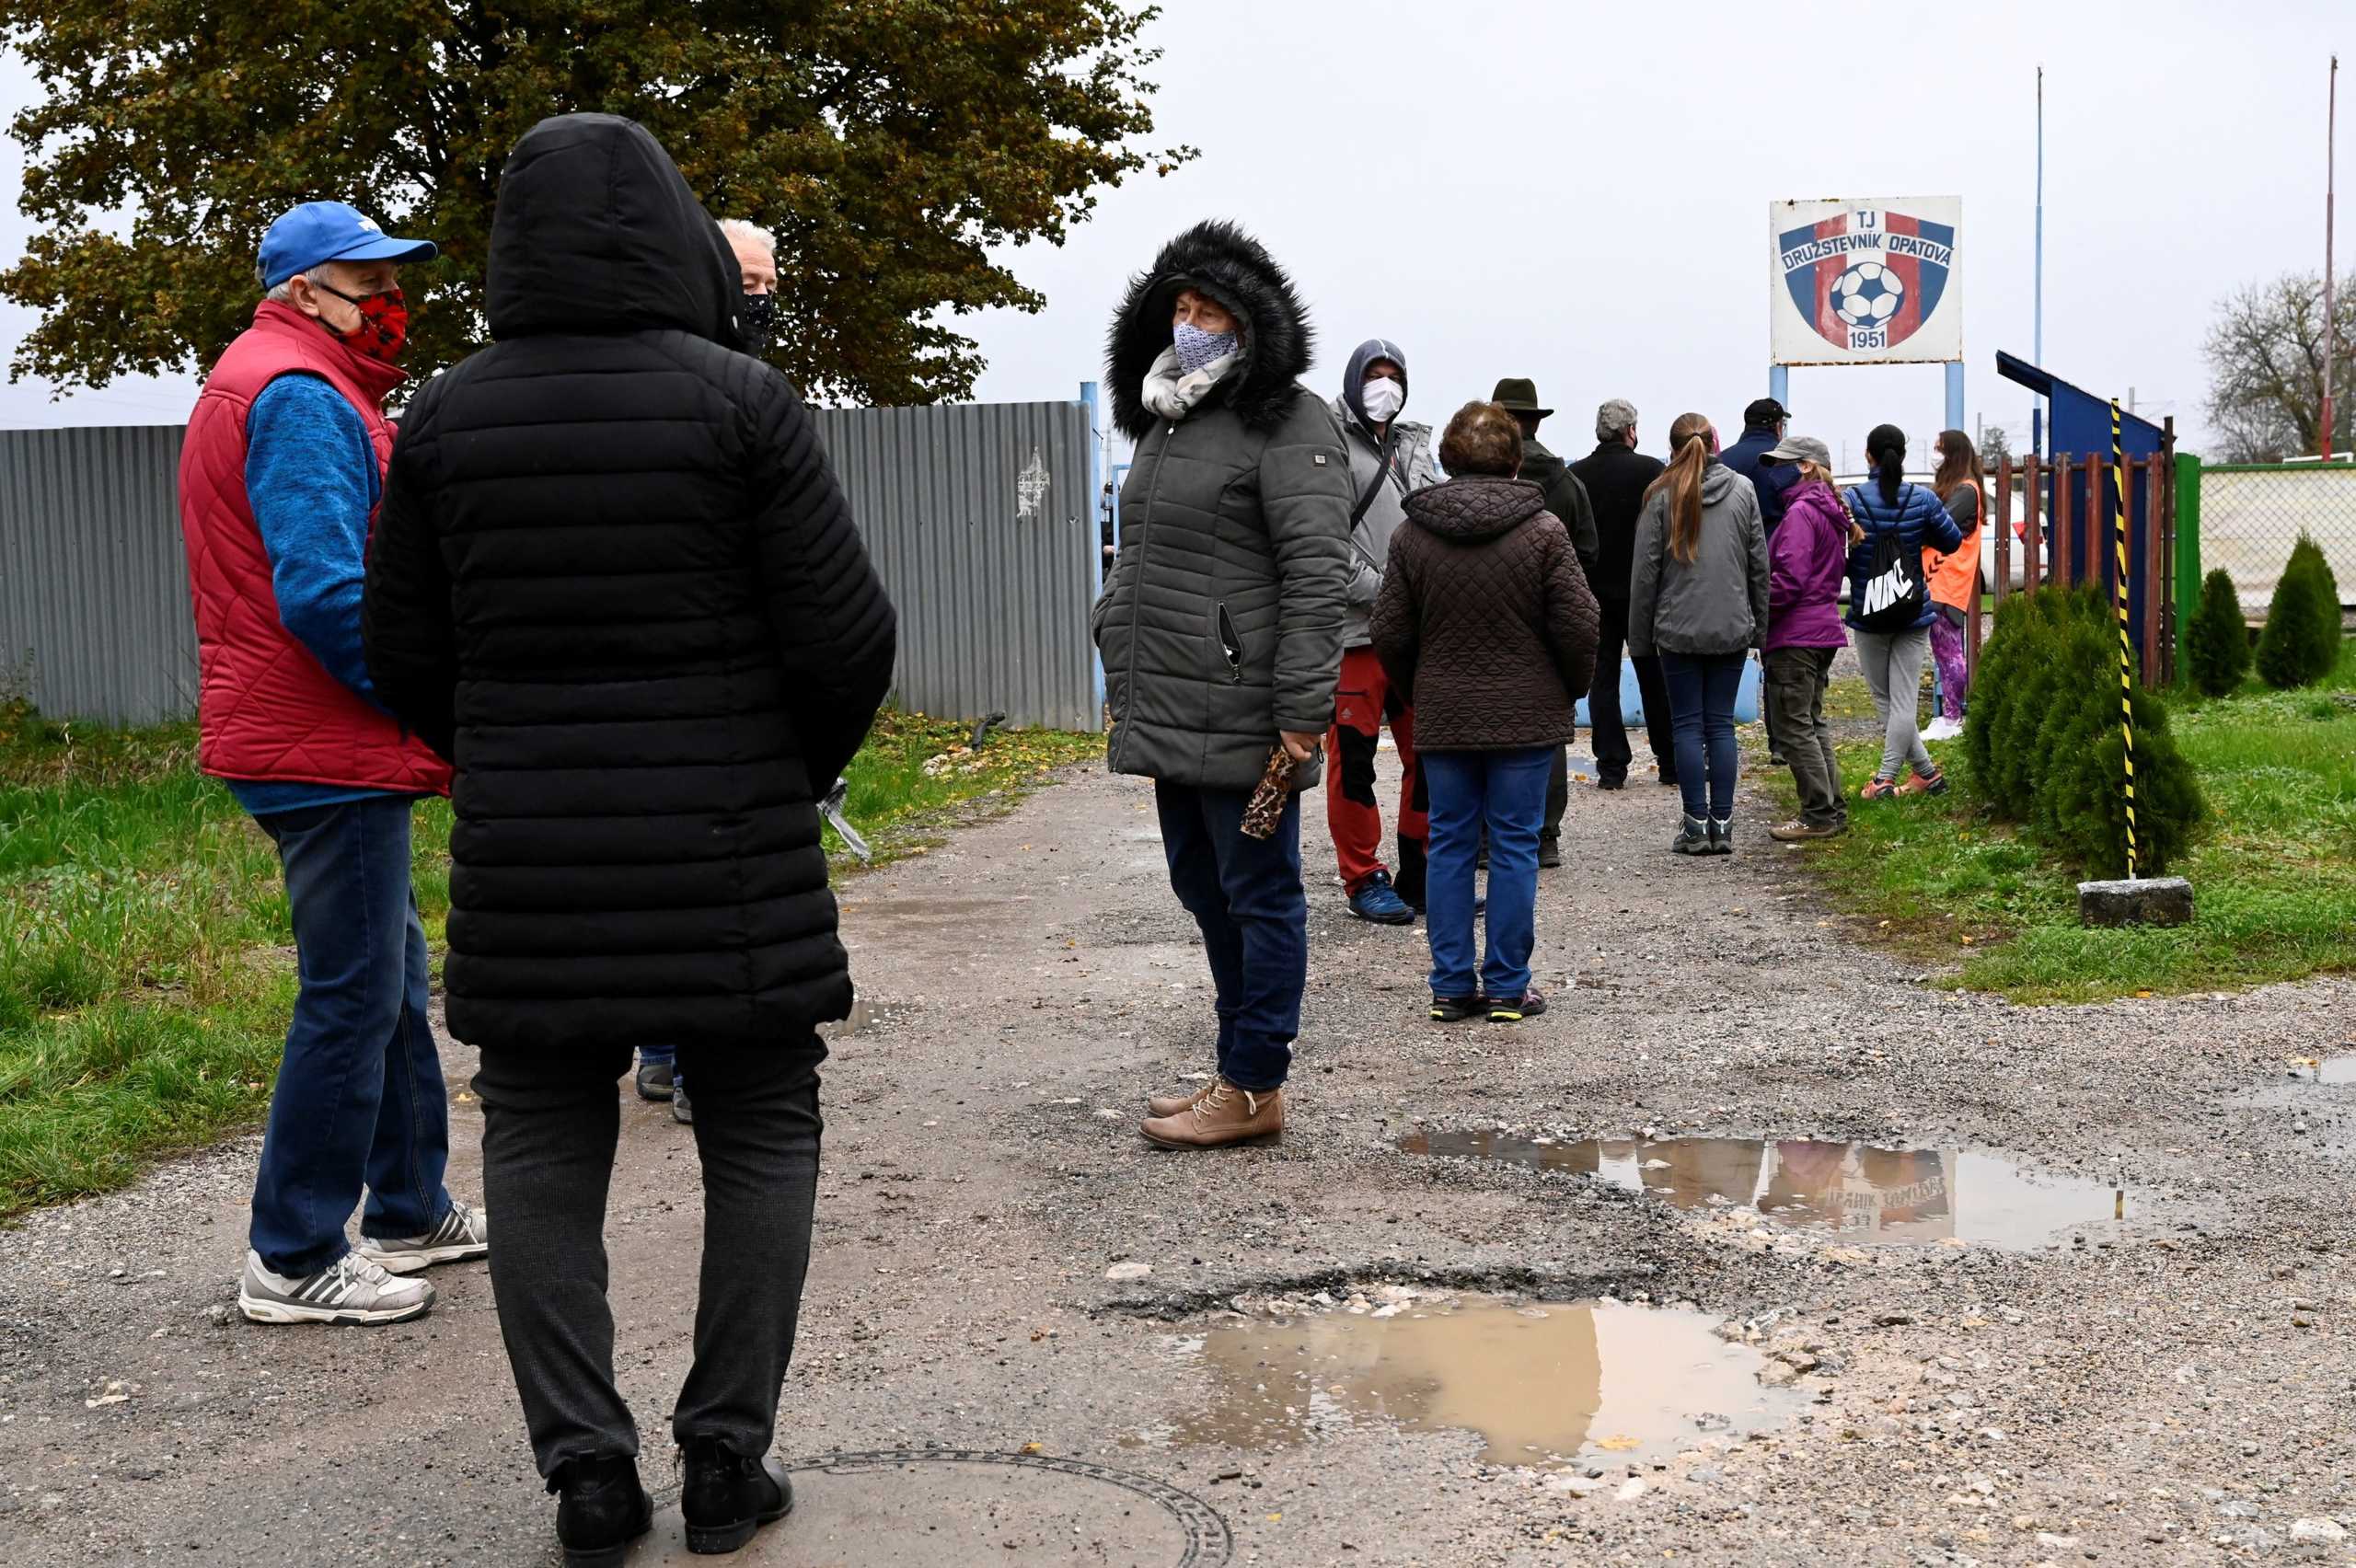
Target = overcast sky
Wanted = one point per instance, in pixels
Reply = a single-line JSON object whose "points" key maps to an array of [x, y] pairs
{"points": [[1578, 193]]}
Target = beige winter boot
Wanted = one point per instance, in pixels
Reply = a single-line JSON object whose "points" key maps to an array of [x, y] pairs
{"points": [[1171, 1104], [1226, 1115]]}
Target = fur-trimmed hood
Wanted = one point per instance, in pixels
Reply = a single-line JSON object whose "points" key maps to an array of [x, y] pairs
{"points": [[1220, 259]]}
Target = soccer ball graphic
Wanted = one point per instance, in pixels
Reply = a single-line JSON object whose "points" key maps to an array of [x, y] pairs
{"points": [[1868, 294]]}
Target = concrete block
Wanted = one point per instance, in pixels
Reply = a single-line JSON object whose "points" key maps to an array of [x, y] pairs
{"points": [[2149, 901]]}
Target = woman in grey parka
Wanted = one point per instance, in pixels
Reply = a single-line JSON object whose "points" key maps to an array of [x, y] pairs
{"points": [[1221, 629]]}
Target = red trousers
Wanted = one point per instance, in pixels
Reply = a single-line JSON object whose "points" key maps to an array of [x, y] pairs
{"points": [[1363, 702]]}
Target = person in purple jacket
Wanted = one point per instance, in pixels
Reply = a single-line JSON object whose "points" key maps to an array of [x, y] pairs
{"points": [[1806, 559]]}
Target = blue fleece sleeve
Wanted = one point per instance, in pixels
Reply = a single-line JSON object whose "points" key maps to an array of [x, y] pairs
{"points": [[311, 477]]}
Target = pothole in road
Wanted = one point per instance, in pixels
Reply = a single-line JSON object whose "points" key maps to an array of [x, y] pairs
{"points": [[942, 1508], [1860, 1193], [1603, 1381], [2331, 1070]]}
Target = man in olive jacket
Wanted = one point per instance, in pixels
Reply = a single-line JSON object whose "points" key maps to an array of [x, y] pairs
{"points": [[1221, 627]]}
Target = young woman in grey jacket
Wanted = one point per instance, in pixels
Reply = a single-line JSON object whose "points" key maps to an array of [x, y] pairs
{"points": [[1697, 596]]}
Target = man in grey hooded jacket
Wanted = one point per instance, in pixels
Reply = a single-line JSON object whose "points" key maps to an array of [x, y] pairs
{"points": [[1389, 458]]}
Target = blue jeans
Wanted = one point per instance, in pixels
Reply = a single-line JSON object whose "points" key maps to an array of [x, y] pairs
{"points": [[1506, 790], [359, 1100], [1245, 894], [1702, 688]]}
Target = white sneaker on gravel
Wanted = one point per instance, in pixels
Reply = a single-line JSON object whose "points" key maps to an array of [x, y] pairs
{"points": [[464, 1233], [351, 1291], [1942, 729]]}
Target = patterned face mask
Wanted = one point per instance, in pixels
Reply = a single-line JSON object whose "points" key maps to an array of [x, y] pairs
{"points": [[383, 323], [1197, 348], [756, 316]]}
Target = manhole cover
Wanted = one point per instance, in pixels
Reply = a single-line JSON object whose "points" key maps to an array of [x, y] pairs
{"points": [[949, 1509]]}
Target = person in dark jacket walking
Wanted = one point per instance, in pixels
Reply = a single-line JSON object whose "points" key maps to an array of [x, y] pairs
{"points": [[1900, 518], [616, 583], [1567, 500], [1806, 562], [1390, 457], [1698, 597], [1486, 619], [1220, 629], [1616, 476]]}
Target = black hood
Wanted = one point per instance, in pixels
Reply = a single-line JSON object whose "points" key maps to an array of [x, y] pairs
{"points": [[596, 231], [1222, 261], [1476, 507], [1354, 377]]}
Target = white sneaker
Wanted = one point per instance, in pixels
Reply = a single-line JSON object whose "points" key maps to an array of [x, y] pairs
{"points": [[464, 1233], [353, 1291], [1942, 729]]}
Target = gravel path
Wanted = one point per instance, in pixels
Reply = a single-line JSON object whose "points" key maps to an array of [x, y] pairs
{"points": [[2177, 1386]]}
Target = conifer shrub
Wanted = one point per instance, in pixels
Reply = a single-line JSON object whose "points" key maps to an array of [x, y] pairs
{"points": [[2043, 737], [2300, 643], [2216, 641]]}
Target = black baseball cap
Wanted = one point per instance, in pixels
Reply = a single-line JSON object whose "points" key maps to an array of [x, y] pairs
{"points": [[1764, 411]]}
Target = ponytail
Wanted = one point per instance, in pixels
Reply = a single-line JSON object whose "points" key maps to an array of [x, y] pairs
{"points": [[1690, 444], [1885, 449]]}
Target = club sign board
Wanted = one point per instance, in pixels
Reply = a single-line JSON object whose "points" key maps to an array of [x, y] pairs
{"points": [[1865, 281]]}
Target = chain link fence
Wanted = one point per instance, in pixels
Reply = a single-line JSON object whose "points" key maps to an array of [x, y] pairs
{"points": [[2252, 514]]}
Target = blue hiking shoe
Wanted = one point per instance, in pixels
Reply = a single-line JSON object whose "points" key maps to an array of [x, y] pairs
{"points": [[1379, 902]]}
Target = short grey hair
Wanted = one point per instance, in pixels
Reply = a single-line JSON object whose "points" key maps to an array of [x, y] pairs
{"points": [[1615, 419], [285, 293], [741, 228]]}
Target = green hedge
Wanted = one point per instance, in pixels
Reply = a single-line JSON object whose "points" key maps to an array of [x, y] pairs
{"points": [[2300, 643], [2043, 741], [2216, 641]]}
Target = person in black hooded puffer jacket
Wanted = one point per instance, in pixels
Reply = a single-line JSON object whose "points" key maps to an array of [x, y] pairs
{"points": [[1221, 627], [614, 582]]}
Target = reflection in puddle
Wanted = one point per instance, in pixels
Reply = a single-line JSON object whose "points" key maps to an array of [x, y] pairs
{"points": [[2329, 1070], [866, 1017], [1872, 1195], [1545, 1382]]}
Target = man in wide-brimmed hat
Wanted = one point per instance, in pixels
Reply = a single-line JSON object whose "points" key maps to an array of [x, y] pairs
{"points": [[1567, 500]]}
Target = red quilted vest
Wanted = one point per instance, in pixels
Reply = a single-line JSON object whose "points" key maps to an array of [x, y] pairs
{"points": [[267, 708]]}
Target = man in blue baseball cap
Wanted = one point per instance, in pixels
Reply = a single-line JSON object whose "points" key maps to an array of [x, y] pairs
{"points": [[281, 477]]}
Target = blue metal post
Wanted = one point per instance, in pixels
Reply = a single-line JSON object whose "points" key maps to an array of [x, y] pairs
{"points": [[1090, 405], [1955, 395], [1779, 383], [2038, 414]]}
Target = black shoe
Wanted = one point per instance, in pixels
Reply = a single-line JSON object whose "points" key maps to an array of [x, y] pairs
{"points": [[1693, 839], [1456, 1010], [728, 1497], [1505, 1010], [601, 1508], [1549, 854], [1667, 780], [654, 1079], [1613, 781], [1776, 759], [1722, 837]]}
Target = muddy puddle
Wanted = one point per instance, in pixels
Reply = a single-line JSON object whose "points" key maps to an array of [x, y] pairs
{"points": [[1604, 1381], [1861, 1195], [867, 1016], [2335, 1070]]}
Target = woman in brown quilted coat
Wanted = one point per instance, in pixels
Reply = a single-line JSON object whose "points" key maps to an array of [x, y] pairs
{"points": [[1487, 620]]}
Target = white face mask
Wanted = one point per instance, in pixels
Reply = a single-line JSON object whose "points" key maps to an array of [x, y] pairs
{"points": [[1383, 399]]}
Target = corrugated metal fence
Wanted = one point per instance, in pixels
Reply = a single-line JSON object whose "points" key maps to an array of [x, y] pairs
{"points": [[94, 616], [980, 518]]}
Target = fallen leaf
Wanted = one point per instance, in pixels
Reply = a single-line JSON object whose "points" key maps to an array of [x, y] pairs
{"points": [[1620, 1445], [1035, 1449]]}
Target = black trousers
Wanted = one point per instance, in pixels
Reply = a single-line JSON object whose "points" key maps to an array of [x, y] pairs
{"points": [[1605, 724], [551, 1124]]}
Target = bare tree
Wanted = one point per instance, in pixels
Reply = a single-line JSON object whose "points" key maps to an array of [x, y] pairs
{"points": [[2266, 366], [1996, 445]]}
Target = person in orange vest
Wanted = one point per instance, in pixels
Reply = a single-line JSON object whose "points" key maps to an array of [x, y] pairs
{"points": [[1954, 576], [281, 477]]}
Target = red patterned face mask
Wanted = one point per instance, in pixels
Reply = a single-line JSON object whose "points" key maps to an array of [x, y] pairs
{"points": [[383, 323]]}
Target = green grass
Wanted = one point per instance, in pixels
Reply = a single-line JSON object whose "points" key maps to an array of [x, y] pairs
{"points": [[147, 964], [2274, 879]]}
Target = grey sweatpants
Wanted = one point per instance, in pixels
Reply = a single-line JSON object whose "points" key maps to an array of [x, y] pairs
{"points": [[1893, 666], [551, 1124]]}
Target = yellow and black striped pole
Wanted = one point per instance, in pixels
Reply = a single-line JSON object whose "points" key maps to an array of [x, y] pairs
{"points": [[2126, 645]]}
